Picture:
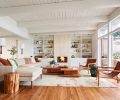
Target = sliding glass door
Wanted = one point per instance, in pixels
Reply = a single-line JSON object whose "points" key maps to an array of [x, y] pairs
{"points": [[104, 51], [115, 47]]}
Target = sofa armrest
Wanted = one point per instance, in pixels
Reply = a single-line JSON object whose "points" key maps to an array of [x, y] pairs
{"points": [[6, 69]]}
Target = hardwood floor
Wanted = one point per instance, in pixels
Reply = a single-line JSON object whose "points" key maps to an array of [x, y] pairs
{"points": [[63, 93]]}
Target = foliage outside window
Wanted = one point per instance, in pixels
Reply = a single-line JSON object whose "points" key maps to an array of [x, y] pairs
{"points": [[116, 45]]}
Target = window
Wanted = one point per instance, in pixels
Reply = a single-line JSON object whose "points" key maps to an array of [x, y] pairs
{"points": [[109, 43], [103, 31], [115, 47], [115, 23], [104, 51]]}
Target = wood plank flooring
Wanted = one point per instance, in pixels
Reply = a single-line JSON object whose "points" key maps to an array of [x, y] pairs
{"points": [[63, 93]]}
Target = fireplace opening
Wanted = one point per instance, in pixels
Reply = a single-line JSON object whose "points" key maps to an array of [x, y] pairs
{"points": [[62, 59]]}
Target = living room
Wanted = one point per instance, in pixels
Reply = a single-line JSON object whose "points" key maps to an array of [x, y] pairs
{"points": [[60, 50]]}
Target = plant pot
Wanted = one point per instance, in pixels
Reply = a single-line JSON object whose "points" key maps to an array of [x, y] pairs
{"points": [[93, 71]]}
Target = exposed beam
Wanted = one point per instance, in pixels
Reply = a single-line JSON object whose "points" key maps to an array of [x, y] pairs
{"points": [[67, 32], [68, 21], [9, 26], [61, 29]]}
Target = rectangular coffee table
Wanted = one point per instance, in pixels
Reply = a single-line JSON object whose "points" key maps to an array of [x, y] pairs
{"points": [[69, 72], [54, 70]]}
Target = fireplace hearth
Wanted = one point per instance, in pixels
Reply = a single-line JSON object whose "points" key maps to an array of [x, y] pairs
{"points": [[62, 59]]}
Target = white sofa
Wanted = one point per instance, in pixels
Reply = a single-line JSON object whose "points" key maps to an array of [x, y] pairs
{"points": [[27, 72]]}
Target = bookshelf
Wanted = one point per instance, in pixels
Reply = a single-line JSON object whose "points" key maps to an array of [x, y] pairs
{"points": [[44, 46], [81, 46]]}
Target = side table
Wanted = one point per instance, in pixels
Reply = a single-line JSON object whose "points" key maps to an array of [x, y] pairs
{"points": [[11, 82]]}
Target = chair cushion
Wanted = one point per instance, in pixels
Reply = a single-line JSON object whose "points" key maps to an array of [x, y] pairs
{"points": [[5, 62]]}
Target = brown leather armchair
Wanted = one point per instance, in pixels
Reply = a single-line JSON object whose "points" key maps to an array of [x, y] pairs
{"points": [[108, 72], [90, 63]]}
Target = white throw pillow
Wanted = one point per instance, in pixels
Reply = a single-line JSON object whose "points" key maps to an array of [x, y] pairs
{"points": [[13, 63], [33, 60]]}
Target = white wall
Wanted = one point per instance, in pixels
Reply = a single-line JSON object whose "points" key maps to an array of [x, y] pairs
{"points": [[28, 48], [10, 42], [94, 45]]}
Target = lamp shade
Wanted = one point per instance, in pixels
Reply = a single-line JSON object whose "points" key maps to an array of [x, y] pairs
{"points": [[2, 42]]}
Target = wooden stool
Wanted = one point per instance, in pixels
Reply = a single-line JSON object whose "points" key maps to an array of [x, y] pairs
{"points": [[11, 82]]}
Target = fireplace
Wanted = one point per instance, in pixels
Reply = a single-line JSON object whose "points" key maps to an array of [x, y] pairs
{"points": [[62, 59]]}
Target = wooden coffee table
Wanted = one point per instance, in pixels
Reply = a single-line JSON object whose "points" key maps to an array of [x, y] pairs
{"points": [[70, 72], [54, 70]]}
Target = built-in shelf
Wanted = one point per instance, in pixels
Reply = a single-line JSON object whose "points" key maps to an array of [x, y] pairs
{"points": [[81, 46], [44, 46]]}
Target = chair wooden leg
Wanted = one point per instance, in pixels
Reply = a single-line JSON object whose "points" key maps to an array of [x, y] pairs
{"points": [[98, 78], [31, 84], [88, 71], [117, 80]]}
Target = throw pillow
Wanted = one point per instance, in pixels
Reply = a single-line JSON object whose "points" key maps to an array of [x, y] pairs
{"points": [[5, 62], [33, 59], [28, 60], [13, 63]]}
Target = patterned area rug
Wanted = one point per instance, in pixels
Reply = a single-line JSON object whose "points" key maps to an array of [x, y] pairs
{"points": [[84, 81]]}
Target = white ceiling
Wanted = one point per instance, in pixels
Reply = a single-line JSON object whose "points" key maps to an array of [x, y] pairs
{"points": [[44, 16]]}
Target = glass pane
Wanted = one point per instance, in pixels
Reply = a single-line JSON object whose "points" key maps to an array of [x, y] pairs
{"points": [[115, 23], [104, 51], [103, 31], [115, 47]]}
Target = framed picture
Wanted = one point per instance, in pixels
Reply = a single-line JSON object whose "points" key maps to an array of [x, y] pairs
{"points": [[0, 49]]}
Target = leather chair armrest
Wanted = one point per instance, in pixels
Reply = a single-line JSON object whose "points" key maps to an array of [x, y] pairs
{"points": [[91, 64]]}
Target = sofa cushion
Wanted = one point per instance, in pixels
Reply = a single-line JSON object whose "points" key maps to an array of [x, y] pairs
{"points": [[29, 72], [20, 61], [27, 65], [28, 60], [5, 62], [32, 65]]}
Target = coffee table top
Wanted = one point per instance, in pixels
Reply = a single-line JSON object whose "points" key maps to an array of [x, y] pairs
{"points": [[56, 67], [69, 69]]}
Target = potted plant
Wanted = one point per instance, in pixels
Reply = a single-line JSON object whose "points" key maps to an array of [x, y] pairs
{"points": [[13, 51], [52, 63], [93, 71]]}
